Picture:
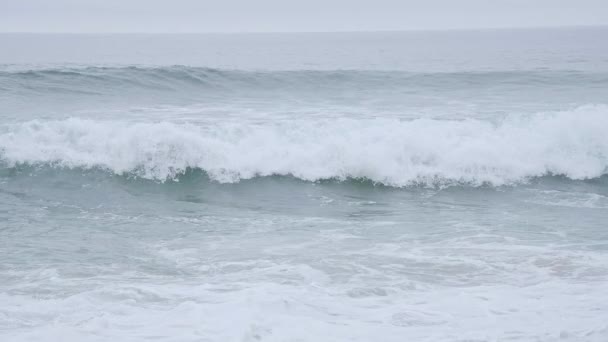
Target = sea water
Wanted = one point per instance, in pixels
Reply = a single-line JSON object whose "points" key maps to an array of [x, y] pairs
{"points": [[397, 186]]}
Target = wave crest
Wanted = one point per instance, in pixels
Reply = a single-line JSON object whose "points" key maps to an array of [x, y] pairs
{"points": [[115, 80], [395, 153]]}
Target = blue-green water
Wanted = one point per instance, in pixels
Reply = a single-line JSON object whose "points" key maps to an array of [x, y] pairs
{"points": [[430, 186]]}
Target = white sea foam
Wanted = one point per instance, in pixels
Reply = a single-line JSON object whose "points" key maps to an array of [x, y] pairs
{"points": [[397, 153]]}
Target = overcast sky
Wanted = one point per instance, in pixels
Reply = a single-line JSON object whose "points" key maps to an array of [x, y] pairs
{"points": [[291, 15]]}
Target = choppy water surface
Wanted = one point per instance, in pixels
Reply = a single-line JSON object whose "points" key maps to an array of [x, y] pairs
{"points": [[305, 187]]}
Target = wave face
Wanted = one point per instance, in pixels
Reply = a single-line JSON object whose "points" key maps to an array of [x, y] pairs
{"points": [[108, 80], [391, 152]]}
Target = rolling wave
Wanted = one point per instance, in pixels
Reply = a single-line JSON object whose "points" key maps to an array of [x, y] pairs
{"points": [[111, 80], [397, 153]]}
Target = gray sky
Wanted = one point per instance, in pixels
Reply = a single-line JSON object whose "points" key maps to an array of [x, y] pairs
{"points": [[291, 15]]}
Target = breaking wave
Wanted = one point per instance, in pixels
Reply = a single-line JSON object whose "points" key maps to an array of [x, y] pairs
{"points": [[573, 144]]}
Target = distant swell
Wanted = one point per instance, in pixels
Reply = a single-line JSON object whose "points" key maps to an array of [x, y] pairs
{"points": [[115, 80], [395, 153]]}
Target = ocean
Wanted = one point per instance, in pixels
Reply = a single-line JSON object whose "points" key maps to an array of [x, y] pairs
{"points": [[386, 186]]}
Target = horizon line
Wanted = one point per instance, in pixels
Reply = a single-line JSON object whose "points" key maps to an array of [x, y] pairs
{"points": [[420, 30]]}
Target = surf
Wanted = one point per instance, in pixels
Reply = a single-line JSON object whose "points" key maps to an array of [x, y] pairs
{"points": [[398, 153]]}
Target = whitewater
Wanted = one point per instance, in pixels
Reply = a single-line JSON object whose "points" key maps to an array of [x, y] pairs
{"points": [[389, 152], [396, 186]]}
